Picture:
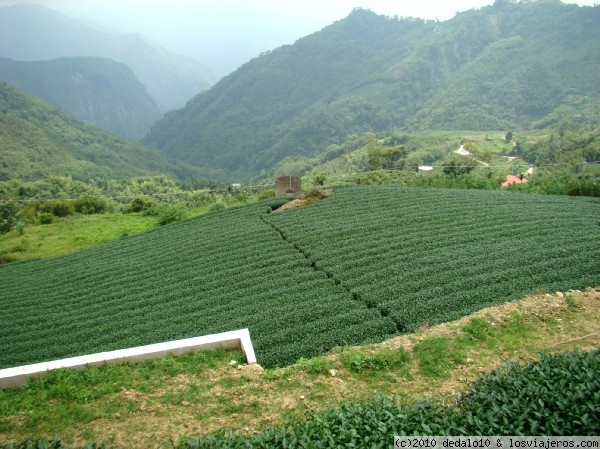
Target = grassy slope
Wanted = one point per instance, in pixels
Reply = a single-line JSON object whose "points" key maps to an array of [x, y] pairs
{"points": [[69, 234], [388, 258], [143, 405]]}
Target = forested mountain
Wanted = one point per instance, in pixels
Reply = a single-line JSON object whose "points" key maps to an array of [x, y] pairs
{"points": [[98, 91], [33, 32], [506, 66], [38, 138]]}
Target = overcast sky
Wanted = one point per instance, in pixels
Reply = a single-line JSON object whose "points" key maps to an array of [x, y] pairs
{"points": [[206, 29]]}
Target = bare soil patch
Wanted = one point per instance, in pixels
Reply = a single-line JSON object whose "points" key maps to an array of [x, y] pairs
{"points": [[306, 199]]}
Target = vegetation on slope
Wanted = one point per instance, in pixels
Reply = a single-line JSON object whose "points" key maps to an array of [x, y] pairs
{"points": [[362, 265], [506, 66], [38, 138], [58, 215], [555, 396], [99, 91], [202, 393], [562, 161]]}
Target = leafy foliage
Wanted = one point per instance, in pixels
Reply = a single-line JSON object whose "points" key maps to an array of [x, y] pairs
{"points": [[557, 395], [506, 66], [426, 256], [9, 217], [38, 138], [55, 443], [359, 266], [98, 91]]}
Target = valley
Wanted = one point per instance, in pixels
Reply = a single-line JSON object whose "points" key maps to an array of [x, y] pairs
{"points": [[437, 273]]}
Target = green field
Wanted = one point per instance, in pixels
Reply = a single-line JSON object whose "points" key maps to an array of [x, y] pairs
{"points": [[67, 234], [363, 265]]}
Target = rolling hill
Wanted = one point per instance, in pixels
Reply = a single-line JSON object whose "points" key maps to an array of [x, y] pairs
{"points": [[33, 32], [99, 91], [365, 264], [38, 138], [505, 66]]}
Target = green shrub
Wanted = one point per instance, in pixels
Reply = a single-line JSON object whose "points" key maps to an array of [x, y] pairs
{"points": [[266, 194], [58, 208], [217, 206], [88, 205], [10, 215], [170, 214], [559, 395], [139, 205], [45, 218]]}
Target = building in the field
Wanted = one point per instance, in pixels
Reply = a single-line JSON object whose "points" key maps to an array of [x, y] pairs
{"points": [[512, 179], [287, 185]]}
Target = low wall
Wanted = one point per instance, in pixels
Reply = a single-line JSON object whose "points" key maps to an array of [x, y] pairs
{"points": [[18, 376]]}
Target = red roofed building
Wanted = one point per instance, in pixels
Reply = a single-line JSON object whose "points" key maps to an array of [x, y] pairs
{"points": [[511, 179]]}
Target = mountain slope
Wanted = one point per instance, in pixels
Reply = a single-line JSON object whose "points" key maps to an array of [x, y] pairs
{"points": [[33, 32], [98, 91], [336, 273], [37, 138], [500, 67]]}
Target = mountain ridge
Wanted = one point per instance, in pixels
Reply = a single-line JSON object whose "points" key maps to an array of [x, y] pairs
{"points": [[504, 66], [38, 138], [99, 91], [33, 32]]}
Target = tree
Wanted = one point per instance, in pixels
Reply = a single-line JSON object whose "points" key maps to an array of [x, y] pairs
{"points": [[10, 215], [320, 178], [458, 166], [386, 157]]}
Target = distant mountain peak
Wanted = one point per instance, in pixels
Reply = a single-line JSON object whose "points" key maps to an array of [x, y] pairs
{"points": [[489, 68], [31, 32]]}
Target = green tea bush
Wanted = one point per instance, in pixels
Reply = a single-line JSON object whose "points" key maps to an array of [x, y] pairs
{"points": [[558, 395], [363, 265]]}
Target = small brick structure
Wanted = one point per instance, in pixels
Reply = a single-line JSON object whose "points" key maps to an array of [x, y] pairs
{"points": [[287, 185]]}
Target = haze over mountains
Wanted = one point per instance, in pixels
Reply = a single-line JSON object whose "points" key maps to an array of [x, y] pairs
{"points": [[506, 66], [97, 90], [33, 33], [509, 66], [38, 139]]}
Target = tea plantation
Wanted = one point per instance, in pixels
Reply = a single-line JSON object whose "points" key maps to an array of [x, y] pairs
{"points": [[365, 264]]}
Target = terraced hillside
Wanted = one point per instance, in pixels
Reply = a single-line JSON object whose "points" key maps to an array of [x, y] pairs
{"points": [[364, 264]]}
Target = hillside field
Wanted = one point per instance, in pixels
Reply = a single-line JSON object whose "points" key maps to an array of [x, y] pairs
{"points": [[366, 264]]}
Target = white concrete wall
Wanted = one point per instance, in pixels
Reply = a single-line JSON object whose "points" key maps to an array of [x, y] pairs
{"points": [[18, 376]]}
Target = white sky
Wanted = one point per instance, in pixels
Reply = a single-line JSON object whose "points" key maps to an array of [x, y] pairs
{"points": [[207, 29]]}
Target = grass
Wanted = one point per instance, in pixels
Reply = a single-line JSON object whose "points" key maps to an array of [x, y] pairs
{"points": [[68, 234], [146, 404]]}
